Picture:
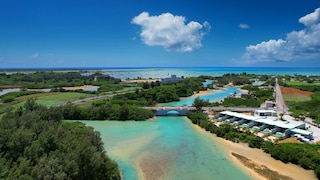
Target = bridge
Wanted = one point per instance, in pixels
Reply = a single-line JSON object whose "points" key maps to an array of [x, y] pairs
{"points": [[183, 110], [171, 111]]}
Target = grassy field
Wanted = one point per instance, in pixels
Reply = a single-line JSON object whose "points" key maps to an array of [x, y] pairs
{"points": [[290, 140], [297, 98], [125, 90], [55, 98], [298, 83]]}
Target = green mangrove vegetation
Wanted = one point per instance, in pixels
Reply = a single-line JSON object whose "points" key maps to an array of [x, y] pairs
{"points": [[36, 144], [105, 111], [53, 79]]}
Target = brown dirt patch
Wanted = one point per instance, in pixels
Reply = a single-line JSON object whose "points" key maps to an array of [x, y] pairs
{"points": [[294, 91]]}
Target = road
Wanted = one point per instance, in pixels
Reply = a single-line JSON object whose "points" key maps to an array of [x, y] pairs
{"points": [[92, 98], [281, 107]]}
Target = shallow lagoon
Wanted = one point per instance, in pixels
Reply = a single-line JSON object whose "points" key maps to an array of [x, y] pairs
{"points": [[212, 97], [167, 148]]}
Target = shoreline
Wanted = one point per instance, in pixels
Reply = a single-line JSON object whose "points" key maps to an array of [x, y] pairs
{"points": [[206, 92], [259, 158]]}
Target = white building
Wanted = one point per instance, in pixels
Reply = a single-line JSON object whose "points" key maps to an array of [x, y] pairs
{"points": [[267, 125], [171, 79], [265, 113]]}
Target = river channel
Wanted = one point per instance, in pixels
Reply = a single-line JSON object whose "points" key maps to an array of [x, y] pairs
{"points": [[168, 147]]}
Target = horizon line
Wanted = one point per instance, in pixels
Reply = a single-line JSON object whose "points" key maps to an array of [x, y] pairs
{"points": [[141, 67]]}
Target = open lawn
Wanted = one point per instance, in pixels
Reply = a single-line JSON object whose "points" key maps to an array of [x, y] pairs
{"points": [[296, 98], [55, 98], [125, 90], [298, 83]]}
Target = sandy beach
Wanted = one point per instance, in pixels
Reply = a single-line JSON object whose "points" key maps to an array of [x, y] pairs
{"points": [[260, 158], [206, 92]]}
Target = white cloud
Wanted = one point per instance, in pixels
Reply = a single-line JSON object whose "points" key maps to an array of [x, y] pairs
{"points": [[34, 56], [244, 26], [298, 45], [170, 31], [312, 18]]}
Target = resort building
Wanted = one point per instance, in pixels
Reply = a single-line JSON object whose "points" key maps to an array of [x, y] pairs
{"points": [[171, 79], [270, 104], [265, 113], [266, 125]]}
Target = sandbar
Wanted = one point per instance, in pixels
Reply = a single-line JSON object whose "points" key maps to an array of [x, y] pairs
{"points": [[206, 92]]}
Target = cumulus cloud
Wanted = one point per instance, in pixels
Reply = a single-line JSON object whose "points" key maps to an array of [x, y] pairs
{"points": [[170, 31], [298, 45], [244, 26]]}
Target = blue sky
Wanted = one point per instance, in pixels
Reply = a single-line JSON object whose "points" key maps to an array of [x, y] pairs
{"points": [[144, 33]]}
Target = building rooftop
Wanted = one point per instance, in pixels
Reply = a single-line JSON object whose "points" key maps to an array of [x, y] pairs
{"points": [[265, 110], [301, 131], [281, 124]]}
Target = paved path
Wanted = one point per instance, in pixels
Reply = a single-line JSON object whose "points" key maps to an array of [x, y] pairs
{"points": [[92, 98], [280, 105]]}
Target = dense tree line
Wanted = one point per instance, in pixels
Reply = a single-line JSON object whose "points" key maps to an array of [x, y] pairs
{"points": [[107, 111], [241, 102], [259, 93], [235, 79], [51, 79], [198, 103], [256, 96], [304, 155], [36, 144], [165, 93]]}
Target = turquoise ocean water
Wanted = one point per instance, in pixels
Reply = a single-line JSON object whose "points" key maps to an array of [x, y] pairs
{"points": [[125, 73], [212, 97], [170, 144]]}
